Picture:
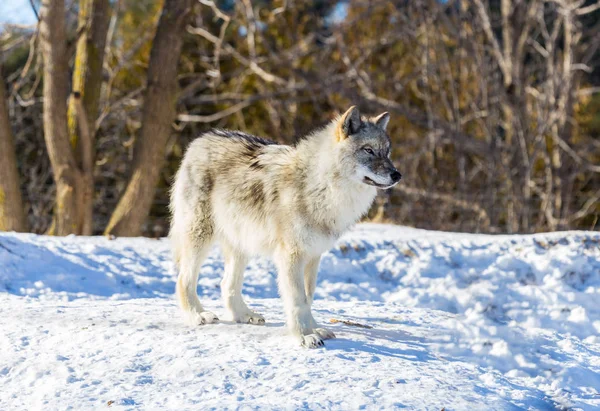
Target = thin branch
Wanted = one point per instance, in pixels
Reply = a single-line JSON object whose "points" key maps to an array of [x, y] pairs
{"points": [[576, 157], [252, 65], [489, 32], [585, 209], [37, 16], [194, 118], [588, 91], [589, 9]]}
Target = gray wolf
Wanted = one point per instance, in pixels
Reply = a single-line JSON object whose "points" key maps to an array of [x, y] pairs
{"points": [[289, 203]]}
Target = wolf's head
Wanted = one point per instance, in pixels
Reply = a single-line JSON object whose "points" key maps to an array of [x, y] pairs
{"points": [[365, 148]]}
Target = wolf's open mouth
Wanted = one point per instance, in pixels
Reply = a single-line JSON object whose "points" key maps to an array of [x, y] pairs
{"points": [[370, 182]]}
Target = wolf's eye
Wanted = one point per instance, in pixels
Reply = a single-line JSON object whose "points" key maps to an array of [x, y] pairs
{"points": [[369, 150]]}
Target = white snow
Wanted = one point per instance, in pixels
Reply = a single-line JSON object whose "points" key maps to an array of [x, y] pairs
{"points": [[459, 321]]}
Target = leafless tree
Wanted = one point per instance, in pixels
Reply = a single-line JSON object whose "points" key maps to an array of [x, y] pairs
{"points": [[56, 80], [12, 214], [158, 114], [93, 21]]}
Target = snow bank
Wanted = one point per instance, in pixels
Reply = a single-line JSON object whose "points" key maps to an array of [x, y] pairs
{"points": [[459, 321]]}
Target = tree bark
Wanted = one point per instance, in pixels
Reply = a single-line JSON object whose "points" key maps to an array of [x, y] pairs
{"points": [[157, 116], [56, 80], [12, 215], [94, 18]]}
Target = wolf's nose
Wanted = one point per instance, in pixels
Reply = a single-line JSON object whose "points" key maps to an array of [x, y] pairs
{"points": [[396, 176]]}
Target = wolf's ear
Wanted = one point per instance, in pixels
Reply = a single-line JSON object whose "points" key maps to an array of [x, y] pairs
{"points": [[349, 123], [382, 120]]}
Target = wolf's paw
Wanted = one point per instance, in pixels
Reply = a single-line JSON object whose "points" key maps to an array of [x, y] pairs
{"points": [[202, 318], [324, 333], [256, 319], [312, 341], [249, 318]]}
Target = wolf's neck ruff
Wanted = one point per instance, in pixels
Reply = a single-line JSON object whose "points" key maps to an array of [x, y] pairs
{"points": [[336, 200]]}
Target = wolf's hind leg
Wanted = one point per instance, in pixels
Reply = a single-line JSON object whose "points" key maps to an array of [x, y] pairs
{"points": [[190, 262], [231, 287]]}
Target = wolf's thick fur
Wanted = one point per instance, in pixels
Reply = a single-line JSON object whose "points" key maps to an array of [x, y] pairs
{"points": [[256, 197]]}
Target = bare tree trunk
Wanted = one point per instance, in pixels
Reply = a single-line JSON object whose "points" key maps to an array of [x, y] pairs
{"points": [[94, 17], [157, 116], [56, 72], [86, 192], [12, 215]]}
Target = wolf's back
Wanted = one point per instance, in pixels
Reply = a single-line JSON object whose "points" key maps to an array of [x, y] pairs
{"points": [[229, 159]]}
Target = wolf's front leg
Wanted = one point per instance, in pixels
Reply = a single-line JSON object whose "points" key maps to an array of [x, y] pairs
{"points": [[310, 282], [290, 266]]}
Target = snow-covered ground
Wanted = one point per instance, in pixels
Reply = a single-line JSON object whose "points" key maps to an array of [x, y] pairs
{"points": [[465, 322]]}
